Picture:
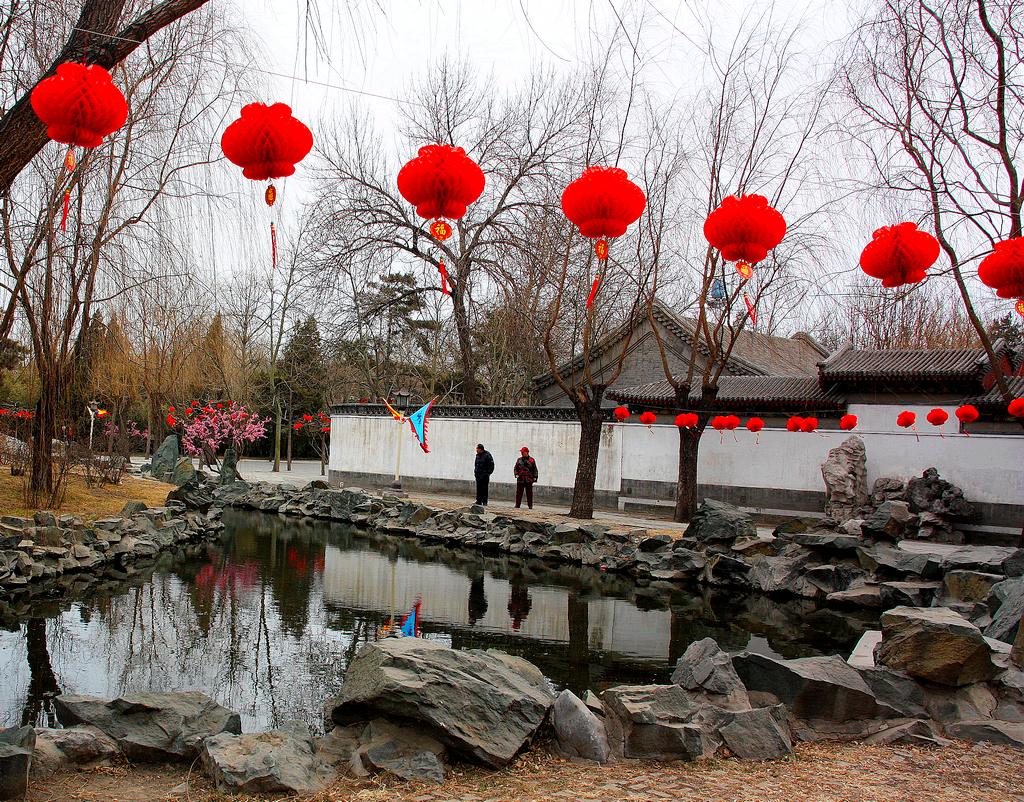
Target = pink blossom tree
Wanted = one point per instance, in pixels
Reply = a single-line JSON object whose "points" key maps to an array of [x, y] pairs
{"points": [[209, 428]]}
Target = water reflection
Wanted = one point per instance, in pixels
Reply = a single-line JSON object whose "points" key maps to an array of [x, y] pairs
{"points": [[266, 620]]}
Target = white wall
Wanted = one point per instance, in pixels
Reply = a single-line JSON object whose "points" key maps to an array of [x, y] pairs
{"points": [[990, 468]]}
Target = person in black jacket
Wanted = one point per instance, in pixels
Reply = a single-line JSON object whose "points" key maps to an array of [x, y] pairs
{"points": [[482, 470], [526, 474]]}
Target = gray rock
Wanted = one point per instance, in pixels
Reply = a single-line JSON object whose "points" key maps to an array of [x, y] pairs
{"points": [[813, 688], [151, 727], [280, 761], [886, 489], [988, 731], [935, 644], [781, 573], [484, 705], [911, 733], [908, 594], [165, 458], [192, 495], [655, 543], [831, 579], [760, 734], [402, 751], [716, 521], [989, 559], [705, 667], [58, 749], [863, 596], [896, 690], [1007, 603], [580, 733], [16, 745], [896, 563], [968, 586], [891, 521], [845, 475], [937, 529], [130, 508], [835, 542], [929, 493], [664, 722], [229, 467]]}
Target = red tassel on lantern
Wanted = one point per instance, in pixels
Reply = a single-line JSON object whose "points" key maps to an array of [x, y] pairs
{"points": [[273, 246], [444, 277], [67, 208], [750, 309]]}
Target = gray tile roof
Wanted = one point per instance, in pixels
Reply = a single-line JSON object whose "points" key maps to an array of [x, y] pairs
{"points": [[851, 364], [782, 392]]}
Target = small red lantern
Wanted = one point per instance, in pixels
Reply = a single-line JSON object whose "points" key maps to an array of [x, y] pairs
{"points": [[899, 254], [1016, 407], [906, 419], [440, 230], [648, 418], [731, 422], [744, 228], [795, 424], [602, 203], [937, 417], [621, 413], [968, 413], [809, 424], [718, 423], [848, 422], [1019, 306], [755, 425], [687, 420]]}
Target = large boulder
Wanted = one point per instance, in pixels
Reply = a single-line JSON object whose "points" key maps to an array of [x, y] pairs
{"points": [[812, 688], [183, 472], [1007, 603], [485, 705], [402, 751], [846, 480], [580, 732], [929, 493], [717, 521], [193, 495], [935, 644], [165, 458], [663, 722], [1004, 733], [759, 734], [16, 745], [280, 761], [58, 749], [151, 727], [705, 667]]}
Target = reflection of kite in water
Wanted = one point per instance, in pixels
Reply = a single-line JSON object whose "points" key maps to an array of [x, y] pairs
{"points": [[417, 421]]}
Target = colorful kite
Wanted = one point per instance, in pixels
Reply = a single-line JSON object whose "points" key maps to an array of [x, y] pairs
{"points": [[417, 421]]}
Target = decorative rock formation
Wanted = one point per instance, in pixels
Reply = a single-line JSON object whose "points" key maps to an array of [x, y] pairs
{"points": [[484, 705], [152, 727], [935, 644], [846, 480], [165, 458], [929, 493], [716, 521]]}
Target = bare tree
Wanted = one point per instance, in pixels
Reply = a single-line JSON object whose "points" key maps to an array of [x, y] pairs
{"points": [[937, 87]]}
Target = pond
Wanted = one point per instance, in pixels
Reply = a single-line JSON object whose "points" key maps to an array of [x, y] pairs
{"points": [[266, 619]]}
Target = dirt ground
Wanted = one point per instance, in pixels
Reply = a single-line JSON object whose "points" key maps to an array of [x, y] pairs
{"points": [[818, 772], [79, 499]]}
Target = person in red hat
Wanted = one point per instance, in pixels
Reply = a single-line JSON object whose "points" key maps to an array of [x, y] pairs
{"points": [[526, 474]]}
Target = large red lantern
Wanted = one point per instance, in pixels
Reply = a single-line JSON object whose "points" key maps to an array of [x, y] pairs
{"points": [[602, 203], [441, 181], [1003, 271], [744, 228], [267, 142], [899, 254], [80, 105]]}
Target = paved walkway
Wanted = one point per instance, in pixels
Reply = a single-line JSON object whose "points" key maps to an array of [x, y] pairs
{"points": [[304, 471]]}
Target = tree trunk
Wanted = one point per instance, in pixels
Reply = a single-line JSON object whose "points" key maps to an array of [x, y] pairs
{"points": [[591, 420], [686, 481], [277, 434], [44, 430], [470, 388]]}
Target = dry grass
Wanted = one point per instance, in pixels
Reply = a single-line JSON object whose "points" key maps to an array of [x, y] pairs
{"points": [[817, 773], [88, 502]]}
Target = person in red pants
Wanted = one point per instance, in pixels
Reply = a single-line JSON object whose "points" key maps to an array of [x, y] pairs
{"points": [[526, 474]]}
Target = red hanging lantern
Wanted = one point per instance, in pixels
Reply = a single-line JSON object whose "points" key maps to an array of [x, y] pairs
{"points": [[441, 181], [621, 413], [1016, 407], [755, 425], [718, 423], [602, 203], [731, 422], [648, 418], [1003, 271], [267, 142], [937, 417], [80, 105], [795, 424], [809, 424], [968, 413], [744, 228], [687, 420], [899, 254], [848, 422], [906, 419]]}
